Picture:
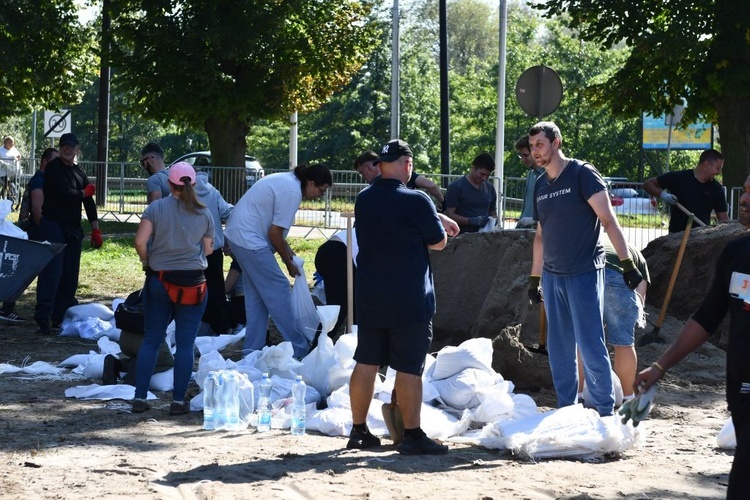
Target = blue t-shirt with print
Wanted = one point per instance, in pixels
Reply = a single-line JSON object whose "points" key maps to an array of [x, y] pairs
{"points": [[570, 227]]}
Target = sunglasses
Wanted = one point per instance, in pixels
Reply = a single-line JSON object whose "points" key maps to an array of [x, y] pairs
{"points": [[144, 160]]}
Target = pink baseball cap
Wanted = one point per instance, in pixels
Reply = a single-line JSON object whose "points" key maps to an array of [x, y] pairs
{"points": [[180, 170]]}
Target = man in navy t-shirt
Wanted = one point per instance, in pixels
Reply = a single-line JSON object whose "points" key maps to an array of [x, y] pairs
{"points": [[396, 227], [472, 200], [572, 205]]}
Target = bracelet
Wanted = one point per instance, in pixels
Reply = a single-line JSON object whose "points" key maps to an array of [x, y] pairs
{"points": [[659, 367]]}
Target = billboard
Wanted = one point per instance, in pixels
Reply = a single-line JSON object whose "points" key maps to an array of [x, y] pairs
{"points": [[656, 134]]}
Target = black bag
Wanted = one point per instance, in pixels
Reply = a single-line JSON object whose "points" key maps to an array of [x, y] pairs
{"points": [[129, 314]]}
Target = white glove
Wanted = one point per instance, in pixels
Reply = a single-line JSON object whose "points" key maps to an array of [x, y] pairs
{"points": [[668, 198]]}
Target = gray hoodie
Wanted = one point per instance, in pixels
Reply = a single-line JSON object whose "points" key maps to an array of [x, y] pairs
{"points": [[217, 205]]}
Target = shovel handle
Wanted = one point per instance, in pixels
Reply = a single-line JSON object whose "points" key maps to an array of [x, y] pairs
{"points": [[690, 214], [675, 270]]}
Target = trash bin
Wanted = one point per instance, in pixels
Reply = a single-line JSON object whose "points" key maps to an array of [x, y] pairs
{"points": [[20, 262]]}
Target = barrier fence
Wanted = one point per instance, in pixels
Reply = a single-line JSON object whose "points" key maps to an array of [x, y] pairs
{"points": [[641, 217]]}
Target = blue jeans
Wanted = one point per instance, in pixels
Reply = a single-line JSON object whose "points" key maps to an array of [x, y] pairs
{"points": [[158, 311], [574, 316], [58, 282], [621, 310], [267, 293]]}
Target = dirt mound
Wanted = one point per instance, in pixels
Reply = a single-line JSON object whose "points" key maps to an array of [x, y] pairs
{"points": [[696, 270], [481, 282]]}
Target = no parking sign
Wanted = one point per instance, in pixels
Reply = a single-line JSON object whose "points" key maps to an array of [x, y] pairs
{"points": [[57, 123]]}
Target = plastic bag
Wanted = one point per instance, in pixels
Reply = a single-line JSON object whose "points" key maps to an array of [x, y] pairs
{"points": [[7, 228], [303, 307]]}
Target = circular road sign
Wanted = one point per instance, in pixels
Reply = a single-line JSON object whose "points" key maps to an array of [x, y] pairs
{"points": [[539, 91]]}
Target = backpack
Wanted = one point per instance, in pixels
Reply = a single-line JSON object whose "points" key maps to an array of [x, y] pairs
{"points": [[129, 314]]}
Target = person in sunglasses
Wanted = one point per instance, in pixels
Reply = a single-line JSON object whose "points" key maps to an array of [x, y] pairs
{"points": [[152, 161]]}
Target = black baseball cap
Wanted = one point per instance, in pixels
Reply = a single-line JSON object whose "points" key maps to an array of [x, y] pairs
{"points": [[69, 140], [395, 150]]}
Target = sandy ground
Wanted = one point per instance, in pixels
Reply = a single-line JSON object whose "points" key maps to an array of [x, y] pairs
{"points": [[54, 447]]}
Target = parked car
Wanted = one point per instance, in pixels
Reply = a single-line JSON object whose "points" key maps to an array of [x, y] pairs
{"points": [[253, 170], [630, 201]]}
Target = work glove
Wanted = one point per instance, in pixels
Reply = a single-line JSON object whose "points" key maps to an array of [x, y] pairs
{"points": [[535, 290], [668, 198], [89, 191], [96, 237], [638, 408], [526, 222], [479, 220], [630, 273]]}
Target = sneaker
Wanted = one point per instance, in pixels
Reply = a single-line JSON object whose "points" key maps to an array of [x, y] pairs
{"points": [[11, 317], [178, 409], [111, 371], [421, 446], [362, 440], [140, 405]]}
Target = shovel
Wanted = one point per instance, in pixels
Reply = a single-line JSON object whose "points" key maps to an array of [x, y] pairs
{"points": [[541, 348], [654, 335]]}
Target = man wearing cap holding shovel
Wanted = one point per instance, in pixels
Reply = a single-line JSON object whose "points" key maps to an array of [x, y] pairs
{"points": [[693, 191], [66, 188], [730, 291], [396, 227]]}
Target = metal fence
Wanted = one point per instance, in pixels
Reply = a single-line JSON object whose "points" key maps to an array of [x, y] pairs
{"points": [[125, 197]]}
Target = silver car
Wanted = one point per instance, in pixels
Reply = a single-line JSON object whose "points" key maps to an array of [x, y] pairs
{"points": [[253, 170]]}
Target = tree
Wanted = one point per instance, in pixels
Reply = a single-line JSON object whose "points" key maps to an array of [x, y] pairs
{"points": [[224, 64], [46, 55], [696, 50]]}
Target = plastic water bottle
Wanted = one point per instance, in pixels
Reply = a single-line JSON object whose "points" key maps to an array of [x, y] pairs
{"points": [[209, 401], [298, 407], [264, 403], [231, 399]]}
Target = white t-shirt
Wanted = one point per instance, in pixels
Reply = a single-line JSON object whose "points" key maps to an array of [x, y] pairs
{"points": [[273, 200], [9, 164]]}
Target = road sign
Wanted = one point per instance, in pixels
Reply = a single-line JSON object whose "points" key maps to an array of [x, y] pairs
{"points": [[57, 123], [539, 91]]}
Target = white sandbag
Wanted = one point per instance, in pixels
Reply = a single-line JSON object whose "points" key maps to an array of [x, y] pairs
{"points": [[278, 360], [303, 307], [328, 316], [473, 353], [208, 343], [726, 439], [438, 424], [94, 366], [74, 361], [81, 312], [495, 402], [105, 392], [7, 228], [91, 328], [337, 420], [568, 432], [162, 381], [317, 366], [385, 390], [107, 346], [460, 390], [209, 362]]}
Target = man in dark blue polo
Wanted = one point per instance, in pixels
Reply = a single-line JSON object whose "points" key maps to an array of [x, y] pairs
{"points": [[396, 227]]}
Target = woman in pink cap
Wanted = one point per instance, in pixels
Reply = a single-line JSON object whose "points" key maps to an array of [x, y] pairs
{"points": [[173, 239]]}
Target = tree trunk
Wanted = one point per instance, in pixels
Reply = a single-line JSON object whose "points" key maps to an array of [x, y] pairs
{"points": [[226, 139], [734, 136]]}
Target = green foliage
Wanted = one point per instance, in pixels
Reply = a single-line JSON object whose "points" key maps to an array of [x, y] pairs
{"points": [[46, 55], [692, 50]]}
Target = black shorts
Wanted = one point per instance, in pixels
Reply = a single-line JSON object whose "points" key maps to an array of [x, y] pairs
{"points": [[403, 349]]}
